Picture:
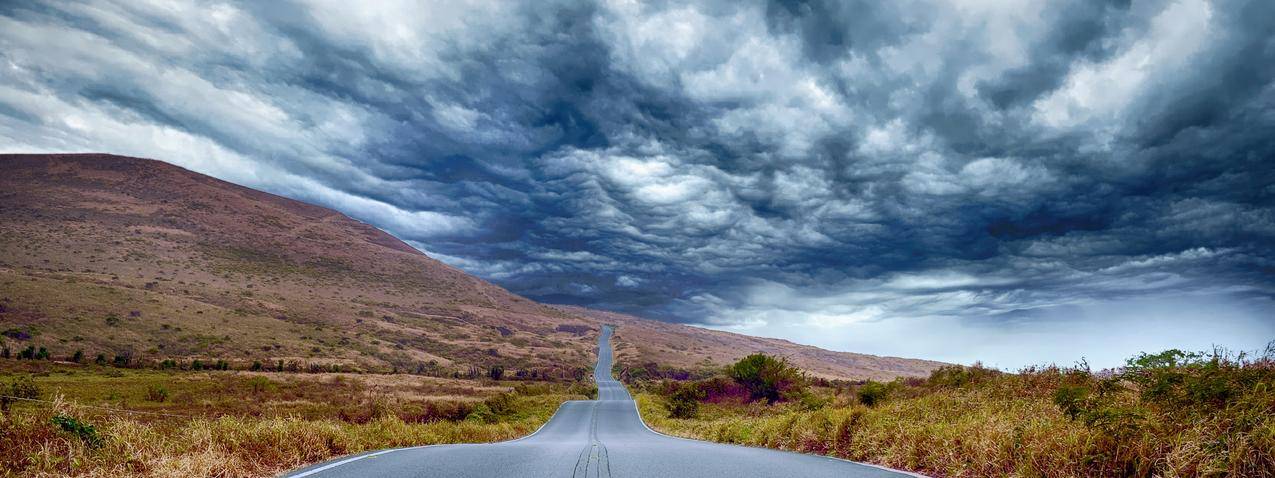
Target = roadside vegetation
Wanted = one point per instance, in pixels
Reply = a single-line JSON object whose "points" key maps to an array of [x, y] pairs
{"points": [[66, 419], [1171, 414]]}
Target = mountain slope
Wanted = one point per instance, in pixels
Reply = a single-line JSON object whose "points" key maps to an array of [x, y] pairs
{"points": [[640, 341], [142, 259], [137, 257]]}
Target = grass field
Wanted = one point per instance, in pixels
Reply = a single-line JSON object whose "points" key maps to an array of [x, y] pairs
{"points": [[104, 421], [1164, 415]]}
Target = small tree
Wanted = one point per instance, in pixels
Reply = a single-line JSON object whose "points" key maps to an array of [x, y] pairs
{"points": [[872, 392], [767, 377], [684, 401]]}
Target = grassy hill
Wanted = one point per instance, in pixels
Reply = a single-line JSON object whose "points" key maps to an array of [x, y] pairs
{"points": [[649, 345], [144, 261], [139, 258]]}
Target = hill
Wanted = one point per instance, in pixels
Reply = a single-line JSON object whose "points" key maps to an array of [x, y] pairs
{"points": [[147, 261], [640, 342]]}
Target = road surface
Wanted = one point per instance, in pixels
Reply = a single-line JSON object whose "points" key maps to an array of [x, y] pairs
{"points": [[592, 438]]}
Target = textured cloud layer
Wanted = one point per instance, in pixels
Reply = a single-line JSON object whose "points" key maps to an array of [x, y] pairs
{"points": [[956, 180]]}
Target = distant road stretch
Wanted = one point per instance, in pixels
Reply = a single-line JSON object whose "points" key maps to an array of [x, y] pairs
{"points": [[594, 438]]}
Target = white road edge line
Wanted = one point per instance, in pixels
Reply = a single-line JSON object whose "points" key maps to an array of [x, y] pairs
{"points": [[342, 462], [886, 468]]}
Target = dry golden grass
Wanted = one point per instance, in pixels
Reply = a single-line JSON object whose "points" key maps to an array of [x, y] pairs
{"points": [[226, 446], [243, 424], [1204, 421]]}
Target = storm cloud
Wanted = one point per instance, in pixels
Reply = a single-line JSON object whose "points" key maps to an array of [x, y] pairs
{"points": [[1012, 181]]}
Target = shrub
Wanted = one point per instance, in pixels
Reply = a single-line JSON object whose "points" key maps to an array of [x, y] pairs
{"points": [[78, 356], [100, 359], [42, 354], [872, 393], [684, 401], [956, 376], [5, 352], [767, 377], [481, 414], [27, 353], [122, 360], [1071, 399], [256, 366], [196, 365], [80, 429], [1190, 380], [496, 372], [18, 388], [156, 393], [500, 404]]}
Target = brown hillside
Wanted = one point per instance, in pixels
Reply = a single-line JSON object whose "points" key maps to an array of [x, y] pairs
{"points": [[640, 341], [134, 257], [120, 255]]}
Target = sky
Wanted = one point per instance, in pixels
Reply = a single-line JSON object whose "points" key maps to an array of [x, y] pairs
{"points": [[1012, 182]]}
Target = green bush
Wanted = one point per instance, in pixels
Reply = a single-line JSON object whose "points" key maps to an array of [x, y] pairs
{"points": [[872, 393], [956, 376], [683, 402], [18, 388], [84, 431], [1071, 399], [767, 377], [481, 414]]}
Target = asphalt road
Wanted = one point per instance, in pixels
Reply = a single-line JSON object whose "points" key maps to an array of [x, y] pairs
{"points": [[594, 438]]}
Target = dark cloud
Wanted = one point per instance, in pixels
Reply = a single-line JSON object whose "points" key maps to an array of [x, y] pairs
{"points": [[833, 172]]}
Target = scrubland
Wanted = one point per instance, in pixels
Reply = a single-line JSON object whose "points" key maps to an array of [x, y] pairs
{"points": [[1171, 414], [90, 420]]}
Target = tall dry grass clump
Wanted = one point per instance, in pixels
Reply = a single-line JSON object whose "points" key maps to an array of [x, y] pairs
{"points": [[1172, 415]]}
